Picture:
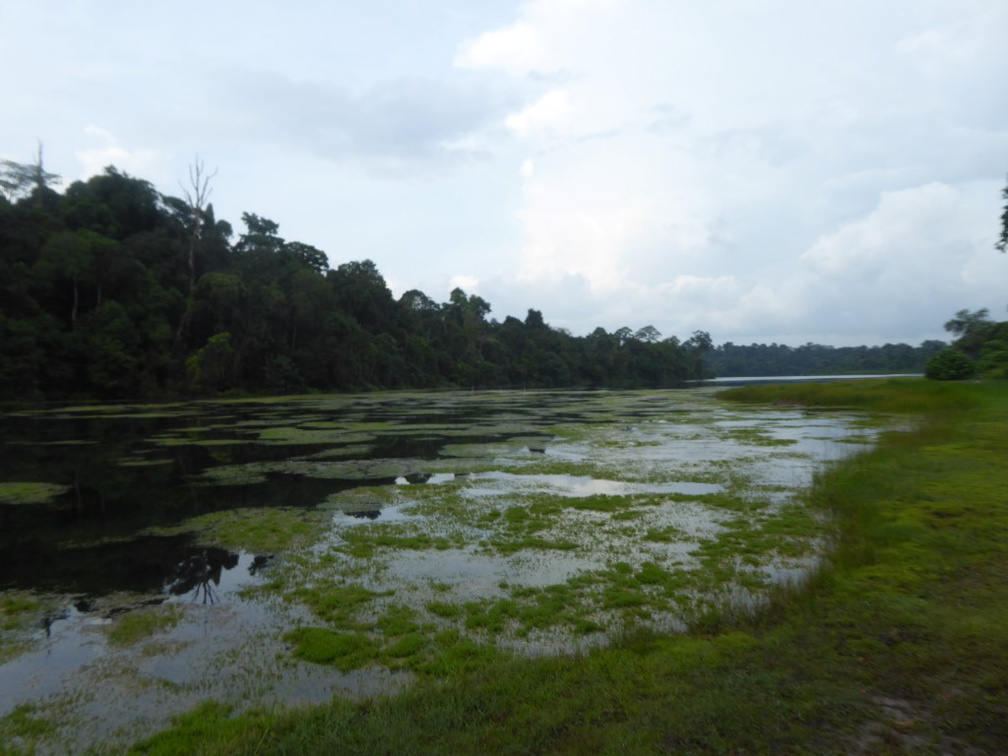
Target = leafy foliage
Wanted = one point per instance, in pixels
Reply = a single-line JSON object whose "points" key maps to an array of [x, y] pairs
{"points": [[950, 365], [982, 340]]}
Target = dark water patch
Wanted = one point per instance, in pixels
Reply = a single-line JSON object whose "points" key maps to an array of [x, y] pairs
{"points": [[302, 491], [405, 446], [171, 565], [103, 499], [81, 633]]}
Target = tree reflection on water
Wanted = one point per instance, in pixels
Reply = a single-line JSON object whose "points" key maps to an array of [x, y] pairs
{"points": [[199, 574]]}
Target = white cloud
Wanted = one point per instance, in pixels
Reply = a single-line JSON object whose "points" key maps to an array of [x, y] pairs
{"points": [[762, 170], [548, 113], [911, 233], [145, 163], [517, 49], [772, 166]]}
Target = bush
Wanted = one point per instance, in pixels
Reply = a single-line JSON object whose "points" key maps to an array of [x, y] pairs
{"points": [[950, 365]]}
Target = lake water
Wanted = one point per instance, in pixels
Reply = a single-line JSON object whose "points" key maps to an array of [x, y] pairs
{"points": [[541, 522]]}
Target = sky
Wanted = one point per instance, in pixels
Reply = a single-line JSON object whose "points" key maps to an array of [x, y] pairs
{"points": [[785, 171]]}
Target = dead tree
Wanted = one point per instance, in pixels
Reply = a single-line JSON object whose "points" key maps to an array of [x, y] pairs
{"points": [[196, 196]]}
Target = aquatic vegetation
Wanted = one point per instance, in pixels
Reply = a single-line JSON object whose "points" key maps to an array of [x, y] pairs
{"points": [[251, 529], [300, 436], [345, 651], [24, 724], [196, 440], [452, 535], [363, 543], [20, 613], [14, 605], [684, 547], [134, 626], [141, 462], [338, 604], [30, 493]]}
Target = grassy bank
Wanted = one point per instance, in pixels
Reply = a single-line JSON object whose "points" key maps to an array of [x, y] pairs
{"points": [[898, 646]]}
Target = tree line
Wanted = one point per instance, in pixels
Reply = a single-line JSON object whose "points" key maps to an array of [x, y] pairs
{"points": [[730, 359], [110, 289], [979, 347]]}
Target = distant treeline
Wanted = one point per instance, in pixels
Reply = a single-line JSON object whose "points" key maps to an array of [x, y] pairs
{"points": [[729, 360], [112, 290]]}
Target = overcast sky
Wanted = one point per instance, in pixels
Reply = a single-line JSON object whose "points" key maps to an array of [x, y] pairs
{"points": [[764, 170]]}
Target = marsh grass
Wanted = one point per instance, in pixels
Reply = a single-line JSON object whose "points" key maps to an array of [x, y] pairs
{"points": [[896, 395], [255, 529], [895, 645], [14, 606], [24, 725], [132, 627], [20, 493], [21, 615]]}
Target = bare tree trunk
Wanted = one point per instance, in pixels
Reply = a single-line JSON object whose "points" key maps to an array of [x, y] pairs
{"points": [[196, 196]]}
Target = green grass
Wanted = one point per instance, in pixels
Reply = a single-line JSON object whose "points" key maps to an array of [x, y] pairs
{"points": [[897, 646], [364, 542], [345, 651], [132, 627], [901, 395], [338, 604]]}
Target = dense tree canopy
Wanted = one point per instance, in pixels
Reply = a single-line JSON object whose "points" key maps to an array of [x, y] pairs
{"points": [[111, 289], [982, 341]]}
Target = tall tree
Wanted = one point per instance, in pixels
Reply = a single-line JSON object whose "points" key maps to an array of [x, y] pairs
{"points": [[24, 179], [970, 329], [261, 235], [197, 196]]}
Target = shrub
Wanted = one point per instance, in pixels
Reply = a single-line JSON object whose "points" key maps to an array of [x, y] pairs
{"points": [[950, 365]]}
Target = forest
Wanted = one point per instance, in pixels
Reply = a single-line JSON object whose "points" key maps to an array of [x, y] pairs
{"points": [[113, 290]]}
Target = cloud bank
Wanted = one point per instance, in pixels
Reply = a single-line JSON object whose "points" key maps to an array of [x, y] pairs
{"points": [[766, 171]]}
